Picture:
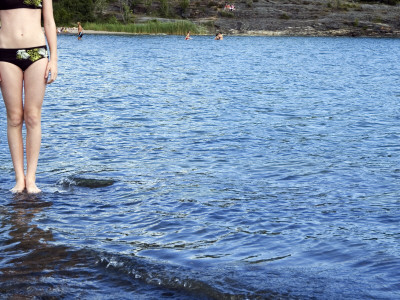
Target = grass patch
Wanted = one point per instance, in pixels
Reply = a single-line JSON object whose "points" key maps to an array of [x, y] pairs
{"points": [[284, 16], [226, 14], [153, 27]]}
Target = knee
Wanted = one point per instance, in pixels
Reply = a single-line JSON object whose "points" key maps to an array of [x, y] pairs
{"points": [[32, 119], [15, 119]]}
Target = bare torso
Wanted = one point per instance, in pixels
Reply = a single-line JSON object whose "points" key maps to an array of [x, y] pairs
{"points": [[21, 28]]}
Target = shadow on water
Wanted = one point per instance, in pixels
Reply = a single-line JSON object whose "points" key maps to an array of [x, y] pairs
{"points": [[30, 265]]}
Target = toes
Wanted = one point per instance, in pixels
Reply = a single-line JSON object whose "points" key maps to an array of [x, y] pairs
{"points": [[33, 190], [16, 190]]}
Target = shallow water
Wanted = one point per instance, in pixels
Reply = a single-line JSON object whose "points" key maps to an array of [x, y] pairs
{"points": [[249, 168]]}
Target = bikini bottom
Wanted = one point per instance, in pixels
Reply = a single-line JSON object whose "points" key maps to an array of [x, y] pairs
{"points": [[23, 58]]}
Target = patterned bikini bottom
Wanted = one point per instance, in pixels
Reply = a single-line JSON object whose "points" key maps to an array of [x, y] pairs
{"points": [[23, 58]]}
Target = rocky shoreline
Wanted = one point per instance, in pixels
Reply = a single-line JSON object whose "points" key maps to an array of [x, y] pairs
{"points": [[289, 32], [308, 18], [284, 18]]}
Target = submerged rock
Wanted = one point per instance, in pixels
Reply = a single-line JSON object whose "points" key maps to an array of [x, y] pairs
{"points": [[86, 182]]}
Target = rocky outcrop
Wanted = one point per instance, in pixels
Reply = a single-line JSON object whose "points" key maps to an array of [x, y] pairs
{"points": [[280, 17], [306, 18]]}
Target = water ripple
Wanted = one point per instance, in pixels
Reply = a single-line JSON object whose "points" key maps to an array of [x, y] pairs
{"points": [[253, 168]]}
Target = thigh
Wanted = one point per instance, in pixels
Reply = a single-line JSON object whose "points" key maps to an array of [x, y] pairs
{"points": [[35, 84], [11, 86]]}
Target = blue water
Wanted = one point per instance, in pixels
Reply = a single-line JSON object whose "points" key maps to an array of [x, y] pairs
{"points": [[249, 168]]}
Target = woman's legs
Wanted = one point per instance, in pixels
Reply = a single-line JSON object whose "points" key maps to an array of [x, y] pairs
{"points": [[34, 87], [13, 80], [11, 88]]}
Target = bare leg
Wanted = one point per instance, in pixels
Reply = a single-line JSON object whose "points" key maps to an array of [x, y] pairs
{"points": [[11, 88], [34, 86]]}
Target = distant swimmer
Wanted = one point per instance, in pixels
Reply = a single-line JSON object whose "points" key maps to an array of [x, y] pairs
{"points": [[80, 31], [188, 36], [219, 36]]}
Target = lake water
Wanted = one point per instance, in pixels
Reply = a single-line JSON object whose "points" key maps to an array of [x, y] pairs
{"points": [[248, 168]]}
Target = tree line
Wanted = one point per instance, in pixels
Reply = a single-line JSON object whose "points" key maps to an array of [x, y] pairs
{"points": [[67, 12], [71, 11]]}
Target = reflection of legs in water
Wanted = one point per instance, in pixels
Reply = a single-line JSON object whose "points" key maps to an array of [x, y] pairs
{"points": [[13, 79], [31, 266], [32, 255]]}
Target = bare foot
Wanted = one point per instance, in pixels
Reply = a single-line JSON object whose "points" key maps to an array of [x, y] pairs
{"points": [[32, 188], [19, 187]]}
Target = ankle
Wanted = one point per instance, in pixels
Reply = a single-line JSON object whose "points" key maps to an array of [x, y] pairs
{"points": [[20, 178]]}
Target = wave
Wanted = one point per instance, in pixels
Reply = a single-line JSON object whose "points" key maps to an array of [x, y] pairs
{"points": [[230, 282], [59, 272], [222, 283], [158, 275], [52, 269]]}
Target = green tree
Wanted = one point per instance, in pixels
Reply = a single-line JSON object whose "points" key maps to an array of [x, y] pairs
{"points": [[164, 8], [71, 11], [124, 6]]}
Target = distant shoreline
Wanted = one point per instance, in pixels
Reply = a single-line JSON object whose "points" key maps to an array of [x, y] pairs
{"points": [[283, 33]]}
